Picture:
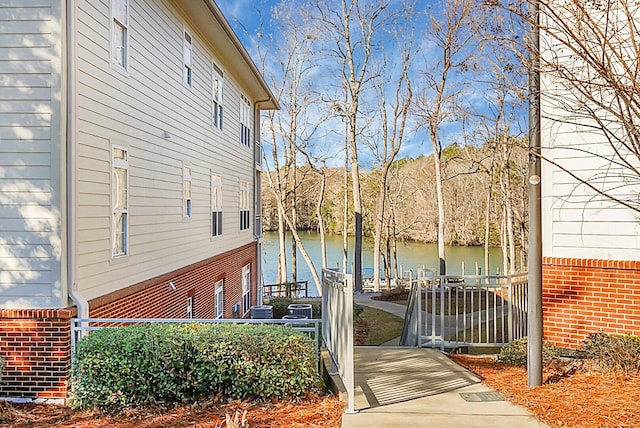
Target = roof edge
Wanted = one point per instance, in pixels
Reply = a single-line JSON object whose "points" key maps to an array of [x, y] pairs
{"points": [[270, 103]]}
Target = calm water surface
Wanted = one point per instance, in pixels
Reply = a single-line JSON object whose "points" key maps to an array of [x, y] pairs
{"points": [[411, 255]]}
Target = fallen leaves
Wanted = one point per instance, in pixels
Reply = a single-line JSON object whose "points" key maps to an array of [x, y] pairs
{"points": [[580, 400], [313, 411]]}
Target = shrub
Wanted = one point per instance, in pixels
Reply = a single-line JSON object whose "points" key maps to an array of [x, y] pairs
{"points": [[612, 353], [159, 364], [357, 310], [280, 306], [515, 353], [394, 294]]}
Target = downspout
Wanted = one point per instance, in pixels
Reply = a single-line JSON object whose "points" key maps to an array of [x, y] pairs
{"points": [[72, 284], [534, 303], [257, 199]]}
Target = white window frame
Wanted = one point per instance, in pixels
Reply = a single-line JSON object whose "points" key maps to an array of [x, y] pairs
{"points": [[217, 96], [117, 23], [187, 58], [219, 299], [246, 288], [187, 190], [216, 205], [245, 121], [245, 213], [117, 209], [191, 302]]}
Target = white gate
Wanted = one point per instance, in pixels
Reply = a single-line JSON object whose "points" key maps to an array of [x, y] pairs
{"points": [[470, 310], [337, 327]]}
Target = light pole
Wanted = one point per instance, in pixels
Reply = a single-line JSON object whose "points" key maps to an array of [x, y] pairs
{"points": [[534, 322]]}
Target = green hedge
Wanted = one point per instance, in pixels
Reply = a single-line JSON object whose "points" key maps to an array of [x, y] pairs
{"points": [[159, 364]]}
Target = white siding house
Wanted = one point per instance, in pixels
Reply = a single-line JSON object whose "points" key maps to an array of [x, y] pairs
{"points": [[116, 114], [590, 169], [32, 152]]}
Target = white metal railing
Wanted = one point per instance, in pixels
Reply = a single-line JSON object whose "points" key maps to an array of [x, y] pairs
{"points": [[471, 310], [82, 326], [337, 327]]}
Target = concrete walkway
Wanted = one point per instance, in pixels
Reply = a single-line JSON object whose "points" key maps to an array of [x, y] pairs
{"points": [[414, 387]]}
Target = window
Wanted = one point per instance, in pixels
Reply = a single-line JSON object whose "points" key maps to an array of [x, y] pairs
{"points": [[186, 190], [120, 32], [217, 97], [244, 205], [188, 51], [119, 202], [190, 307], [245, 121], [216, 205], [220, 299], [246, 288]]}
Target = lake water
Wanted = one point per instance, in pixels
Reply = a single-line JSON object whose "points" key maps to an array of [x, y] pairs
{"points": [[411, 255]]}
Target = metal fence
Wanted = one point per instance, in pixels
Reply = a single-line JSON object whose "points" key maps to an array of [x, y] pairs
{"points": [[470, 310], [337, 327], [292, 290], [82, 326]]}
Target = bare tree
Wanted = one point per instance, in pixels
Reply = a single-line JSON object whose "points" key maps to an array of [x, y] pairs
{"points": [[292, 128], [390, 140], [352, 26], [589, 61], [452, 32]]}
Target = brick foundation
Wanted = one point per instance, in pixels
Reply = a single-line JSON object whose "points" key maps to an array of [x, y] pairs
{"points": [[155, 299], [36, 345], [583, 296]]}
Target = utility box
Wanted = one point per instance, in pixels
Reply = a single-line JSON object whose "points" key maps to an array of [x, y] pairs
{"points": [[304, 309]]}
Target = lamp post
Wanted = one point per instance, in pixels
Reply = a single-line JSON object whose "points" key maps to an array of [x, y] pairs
{"points": [[534, 322]]}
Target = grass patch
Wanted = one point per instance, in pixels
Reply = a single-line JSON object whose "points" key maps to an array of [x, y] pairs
{"points": [[478, 334], [381, 326], [454, 300]]}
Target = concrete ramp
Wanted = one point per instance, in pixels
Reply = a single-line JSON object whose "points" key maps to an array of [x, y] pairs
{"points": [[387, 375]]}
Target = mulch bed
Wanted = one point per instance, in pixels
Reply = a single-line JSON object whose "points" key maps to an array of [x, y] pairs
{"points": [[568, 398], [314, 411]]}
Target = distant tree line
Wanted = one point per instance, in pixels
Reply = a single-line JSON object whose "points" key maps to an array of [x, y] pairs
{"points": [[469, 181]]}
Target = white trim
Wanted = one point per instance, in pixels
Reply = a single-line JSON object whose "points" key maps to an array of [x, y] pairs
{"points": [[219, 305], [244, 195], [246, 289], [187, 190], [120, 164], [187, 61], [217, 97], [216, 204], [126, 29]]}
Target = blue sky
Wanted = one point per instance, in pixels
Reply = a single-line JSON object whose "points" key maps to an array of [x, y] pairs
{"points": [[245, 15]]}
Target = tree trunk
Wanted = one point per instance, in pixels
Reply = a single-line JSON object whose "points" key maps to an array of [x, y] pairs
{"points": [[345, 222], [321, 227], [282, 254], [487, 226], [442, 265]]}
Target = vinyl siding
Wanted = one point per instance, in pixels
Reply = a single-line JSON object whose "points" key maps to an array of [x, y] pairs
{"points": [[31, 206], [578, 222], [133, 109]]}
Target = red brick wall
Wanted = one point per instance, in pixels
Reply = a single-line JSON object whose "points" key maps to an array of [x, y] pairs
{"points": [[583, 296], [37, 343], [36, 346], [154, 298]]}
